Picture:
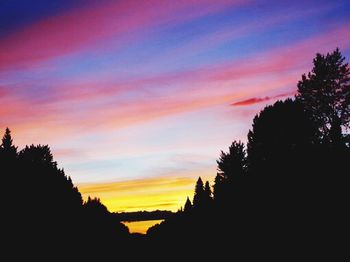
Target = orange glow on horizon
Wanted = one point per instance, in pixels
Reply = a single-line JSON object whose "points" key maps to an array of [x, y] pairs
{"points": [[162, 193], [141, 226]]}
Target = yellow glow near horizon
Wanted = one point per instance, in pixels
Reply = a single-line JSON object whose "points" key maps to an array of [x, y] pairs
{"points": [[141, 226], [162, 193]]}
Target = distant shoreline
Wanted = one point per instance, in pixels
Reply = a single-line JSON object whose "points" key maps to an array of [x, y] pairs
{"points": [[143, 215]]}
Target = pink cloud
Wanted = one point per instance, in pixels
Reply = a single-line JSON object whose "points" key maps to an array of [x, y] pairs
{"points": [[198, 89], [251, 101], [256, 100], [84, 28], [85, 106], [295, 57]]}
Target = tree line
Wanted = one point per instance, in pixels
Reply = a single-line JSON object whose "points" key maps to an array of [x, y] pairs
{"points": [[283, 192], [142, 215], [44, 212], [287, 188]]}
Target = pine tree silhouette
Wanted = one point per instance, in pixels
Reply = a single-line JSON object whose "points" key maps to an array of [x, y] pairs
{"points": [[44, 207], [207, 198], [288, 189], [7, 149], [198, 194], [188, 206]]}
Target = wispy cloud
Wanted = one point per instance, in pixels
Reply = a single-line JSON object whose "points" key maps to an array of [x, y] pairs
{"points": [[255, 100], [119, 82], [142, 194], [95, 25]]}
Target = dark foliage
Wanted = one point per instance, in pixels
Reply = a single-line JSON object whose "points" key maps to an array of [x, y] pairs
{"points": [[188, 206], [45, 212], [231, 171], [325, 92], [198, 198], [284, 194]]}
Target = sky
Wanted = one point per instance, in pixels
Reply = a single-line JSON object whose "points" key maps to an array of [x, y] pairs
{"points": [[137, 98]]}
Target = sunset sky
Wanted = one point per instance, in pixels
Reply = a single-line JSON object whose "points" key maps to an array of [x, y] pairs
{"points": [[137, 98]]}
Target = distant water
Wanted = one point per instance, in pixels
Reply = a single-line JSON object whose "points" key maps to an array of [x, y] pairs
{"points": [[141, 226]]}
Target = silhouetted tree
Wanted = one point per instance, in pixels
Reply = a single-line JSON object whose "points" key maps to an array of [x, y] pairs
{"points": [[279, 130], [218, 188], [188, 206], [231, 165], [325, 92], [44, 207], [103, 225], [94, 205], [198, 194], [208, 199], [7, 149], [231, 170], [289, 185], [282, 146], [40, 154], [207, 190]]}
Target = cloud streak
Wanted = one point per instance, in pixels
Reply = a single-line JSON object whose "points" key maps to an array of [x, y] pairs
{"points": [[93, 26], [110, 84], [256, 100], [148, 194]]}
